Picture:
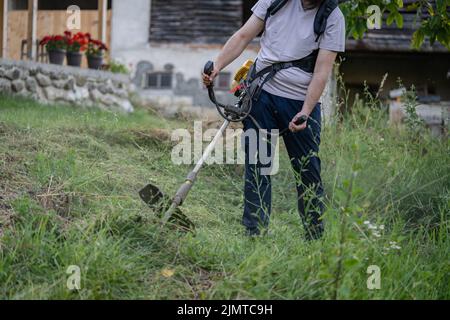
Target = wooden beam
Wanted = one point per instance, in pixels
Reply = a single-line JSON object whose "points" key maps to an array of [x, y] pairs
{"points": [[3, 28], [32, 28], [102, 19]]}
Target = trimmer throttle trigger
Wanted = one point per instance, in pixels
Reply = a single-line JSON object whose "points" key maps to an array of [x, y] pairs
{"points": [[209, 67], [301, 120]]}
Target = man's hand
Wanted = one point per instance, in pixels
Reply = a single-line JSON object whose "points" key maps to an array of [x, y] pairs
{"points": [[209, 79], [296, 128]]}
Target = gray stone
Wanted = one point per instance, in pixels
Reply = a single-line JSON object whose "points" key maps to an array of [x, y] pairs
{"points": [[31, 84], [108, 100], [17, 85], [95, 95], [2, 72], [70, 97], [44, 71], [82, 94], [43, 80], [5, 86], [13, 74], [33, 71], [59, 84], [91, 85], [125, 105], [121, 93], [81, 80], [119, 84], [70, 85], [58, 75], [106, 88], [24, 75], [53, 94]]}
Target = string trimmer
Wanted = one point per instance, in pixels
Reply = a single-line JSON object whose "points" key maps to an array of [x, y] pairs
{"points": [[169, 209]]}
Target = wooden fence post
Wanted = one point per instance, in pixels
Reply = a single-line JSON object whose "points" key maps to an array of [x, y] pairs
{"points": [[32, 28], [3, 28], [102, 19]]}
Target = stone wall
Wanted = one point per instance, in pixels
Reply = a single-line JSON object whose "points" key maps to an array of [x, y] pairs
{"points": [[62, 84]]}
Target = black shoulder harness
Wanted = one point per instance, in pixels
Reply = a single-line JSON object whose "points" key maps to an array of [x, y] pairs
{"points": [[320, 21]]}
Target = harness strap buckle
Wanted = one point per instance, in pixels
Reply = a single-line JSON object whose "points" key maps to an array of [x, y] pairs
{"points": [[277, 67]]}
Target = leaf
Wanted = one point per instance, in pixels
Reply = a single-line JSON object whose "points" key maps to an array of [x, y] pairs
{"points": [[348, 263], [355, 34], [390, 18], [432, 39], [167, 273], [418, 39], [399, 20], [412, 7]]}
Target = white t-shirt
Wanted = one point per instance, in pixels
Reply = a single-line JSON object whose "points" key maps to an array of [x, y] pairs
{"points": [[289, 35]]}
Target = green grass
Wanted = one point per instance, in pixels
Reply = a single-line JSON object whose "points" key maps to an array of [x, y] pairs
{"points": [[69, 180]]}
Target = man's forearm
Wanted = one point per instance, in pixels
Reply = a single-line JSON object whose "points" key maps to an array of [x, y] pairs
{"points": [[232, 49], [315, 91]]}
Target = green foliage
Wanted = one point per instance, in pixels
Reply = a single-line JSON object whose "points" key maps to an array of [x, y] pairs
{"points": [[413, 122], [71, 178], [436, 27], [117, 67]]}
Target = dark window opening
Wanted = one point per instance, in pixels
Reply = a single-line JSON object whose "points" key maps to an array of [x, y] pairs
{"points": [[223, 81], [56, 4], [432, 90], [166, 80], [159, 80], [247, 9]]}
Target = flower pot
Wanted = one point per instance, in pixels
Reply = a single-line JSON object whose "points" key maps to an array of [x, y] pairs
{"points": [[95, 62], [56, 56], [74, 58]]}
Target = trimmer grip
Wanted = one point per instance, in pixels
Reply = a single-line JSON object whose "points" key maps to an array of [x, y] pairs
{"points": [[301, 120], [209, 67]]}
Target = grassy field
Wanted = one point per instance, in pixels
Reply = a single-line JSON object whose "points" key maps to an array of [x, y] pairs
{"points": [[68, 196]]}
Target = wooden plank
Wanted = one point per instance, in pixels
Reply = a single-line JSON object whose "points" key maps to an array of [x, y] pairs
{"points": [[202, 22], [102, 19], [3, 28], [32, 28]]}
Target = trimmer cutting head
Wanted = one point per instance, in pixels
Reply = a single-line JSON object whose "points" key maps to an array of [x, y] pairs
{"points": [[160, 203]]}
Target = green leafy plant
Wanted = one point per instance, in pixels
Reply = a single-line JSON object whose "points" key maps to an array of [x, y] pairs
{"points": [[435, 25], [413, 121], [117, 67], [95, 48]]}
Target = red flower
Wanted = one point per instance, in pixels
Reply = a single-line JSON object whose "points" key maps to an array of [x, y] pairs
{"points": [[45, 40], [54, 42]]}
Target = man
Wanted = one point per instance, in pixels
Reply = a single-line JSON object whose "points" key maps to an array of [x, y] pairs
{"points": [[292, 93]]}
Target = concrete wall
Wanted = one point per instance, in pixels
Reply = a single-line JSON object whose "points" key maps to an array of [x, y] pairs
{"points": [[69, 85], [130, 25]]}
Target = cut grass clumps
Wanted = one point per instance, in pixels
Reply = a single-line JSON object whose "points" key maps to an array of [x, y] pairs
{"points": [[69, 182]]}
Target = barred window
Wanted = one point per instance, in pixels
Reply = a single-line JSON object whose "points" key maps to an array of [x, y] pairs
{"points": [[159, 80]]}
